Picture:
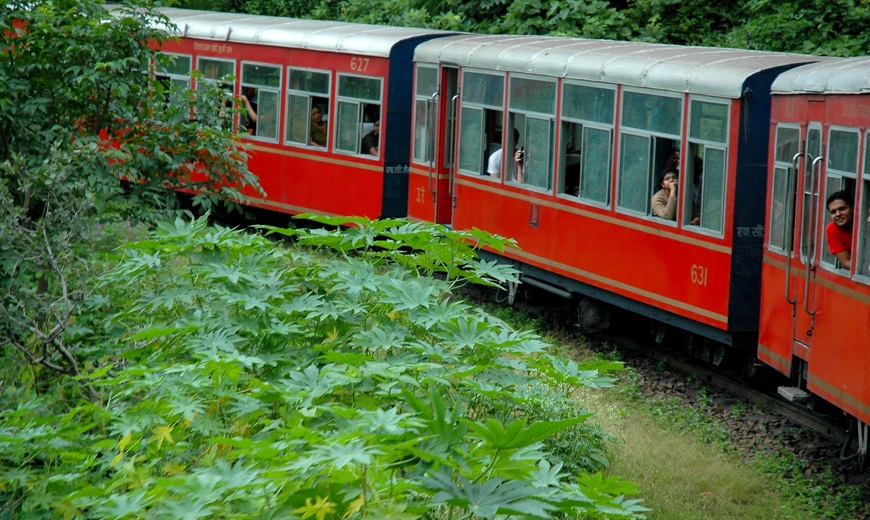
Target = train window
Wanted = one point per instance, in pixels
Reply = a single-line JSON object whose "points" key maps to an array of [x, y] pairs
{"points": [[260, 94], [219, 73], [706, 165], [780, 234], [173, 69], [480, 132], [813, 149], [650, 143], [426, 87], [841, 174], [307, 116], [533, 115], [359, 115], [862, 219], [172, 72], [587, 141]]}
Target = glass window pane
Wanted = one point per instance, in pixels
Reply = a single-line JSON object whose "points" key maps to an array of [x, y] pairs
{"points": [[533, 95], [537, 171], [595, 171], [588, 103], [652, 113], [297, 122], [261, 75], [348, 127], [173, 64], [422, 131], [634, 173], [308, 81], [863, 256], [471, 140], [843, 151], [787, 143], [427, 81], [782, 197], [713, 189], [216, 69], [709, 121], [267, 115], [359, 88], [484, 89]]}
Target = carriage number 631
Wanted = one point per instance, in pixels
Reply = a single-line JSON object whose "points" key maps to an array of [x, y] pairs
{"points": [[699, 275], [359, 64]]}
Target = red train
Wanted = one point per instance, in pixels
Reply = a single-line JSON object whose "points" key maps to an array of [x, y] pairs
{"points": [[562, 144]]}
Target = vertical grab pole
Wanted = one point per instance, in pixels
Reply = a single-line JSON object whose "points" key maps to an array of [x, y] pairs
{"points": [[811, 250], [433, 139], [788, 237], [453, 105]]}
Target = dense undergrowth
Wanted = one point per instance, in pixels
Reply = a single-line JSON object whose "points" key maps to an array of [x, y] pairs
{"points": [[226, 377]]}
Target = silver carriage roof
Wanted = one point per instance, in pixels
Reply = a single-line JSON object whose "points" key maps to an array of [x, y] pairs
{"points": [[833, 76], [697, 70], [351, 38]]}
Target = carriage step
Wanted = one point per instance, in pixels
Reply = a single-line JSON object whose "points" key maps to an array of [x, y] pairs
{"points": [[793, 394]]}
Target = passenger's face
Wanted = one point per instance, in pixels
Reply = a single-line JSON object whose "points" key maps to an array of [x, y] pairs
{"points": [[841, 213], [316, 115], [377, 127], [669, 179], [868, 217]]}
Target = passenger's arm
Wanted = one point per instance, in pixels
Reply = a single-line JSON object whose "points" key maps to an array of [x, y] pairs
{"points": [[845, 259]]}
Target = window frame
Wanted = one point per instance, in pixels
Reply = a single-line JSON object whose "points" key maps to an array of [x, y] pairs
{"points": [[790, 192], [277, 91], [309, 95], [861, 259], [535, 117], [428, 153], [842, 178], [483, 107], [584, 126], [361, 104], [707, 144], [652, 174]]}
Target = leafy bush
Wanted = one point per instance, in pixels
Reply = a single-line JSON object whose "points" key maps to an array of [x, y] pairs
{"points": [[242, 380]]}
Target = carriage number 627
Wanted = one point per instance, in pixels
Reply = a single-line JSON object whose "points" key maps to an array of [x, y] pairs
{"points": [[359, 64], [699, 275]]}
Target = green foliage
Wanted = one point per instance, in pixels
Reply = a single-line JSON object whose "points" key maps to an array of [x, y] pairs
{"points": [[241, 380], [79, 112], [837, 28]]}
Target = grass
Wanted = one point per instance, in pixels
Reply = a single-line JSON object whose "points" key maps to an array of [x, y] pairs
{"points": [[682, 459], [680, 476]]}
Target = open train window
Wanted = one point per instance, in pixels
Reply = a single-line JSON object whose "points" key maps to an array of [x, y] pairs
{"points": [[480, 126], [650, 139], [172, 71], [706, 165], [841, 173], [307, 117], [780, 233], [425, 90], [587, 141], [359, 115], [261, 87], [862, 215], [218, 72], [533, 115]]}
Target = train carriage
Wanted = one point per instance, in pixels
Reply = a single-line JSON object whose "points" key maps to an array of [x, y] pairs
{"points": [[317, 88], [815, 317], [597, 122]]}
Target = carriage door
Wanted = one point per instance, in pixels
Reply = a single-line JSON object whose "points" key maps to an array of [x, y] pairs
{"points": [[802, 275], [446, 148]]}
